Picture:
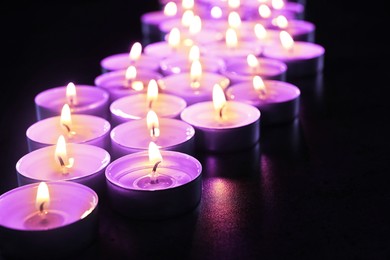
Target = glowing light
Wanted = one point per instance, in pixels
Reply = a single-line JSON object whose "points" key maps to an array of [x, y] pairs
{"points": [[234, 20], [131, 73], [219, 100], [61, 155], [252, 61], [174, 38], [135, 51], [71, 96], [42, 200], [234, 4], [260, 31], [264, 11], [258, 85], [170, 9], [196, 25], [277, 4], [155, 158], [231, 38], [153, 124], [195, 73], [152, 92], [286, 40], [188, 4], [216, 12], [187, 18], [280, 21], [194, 53], [66, 118]]}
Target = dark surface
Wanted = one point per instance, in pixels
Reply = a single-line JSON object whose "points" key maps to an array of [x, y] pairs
{"points": [[313, 189]]}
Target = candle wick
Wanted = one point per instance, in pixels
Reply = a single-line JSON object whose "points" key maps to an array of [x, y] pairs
{"points": [[153, 131], [153, 179], [63, 166], [71, 101], [150, 104], [70, 132], [41, 208], [220, 112]]}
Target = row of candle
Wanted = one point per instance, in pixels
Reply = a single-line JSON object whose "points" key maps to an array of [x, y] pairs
{"points": [[120, 117]]}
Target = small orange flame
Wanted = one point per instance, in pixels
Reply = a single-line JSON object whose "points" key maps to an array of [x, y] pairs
{"points": [[71, 94]]}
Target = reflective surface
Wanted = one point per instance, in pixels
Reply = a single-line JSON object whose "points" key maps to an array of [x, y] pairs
{"points": [[315, 188]]}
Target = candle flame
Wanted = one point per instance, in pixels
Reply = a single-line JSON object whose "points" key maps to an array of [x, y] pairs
{"points": [[187, 18], [153, 124], [234, 20], [135, 51], [233, 4], [195, 74], [188, 4], [42, 200], [258, 85], [131, 73], [155, 158], [194, 53], [71, 94], [219, 100], [286, 40], [231, 38], [216, 12], [61, 155], [264, 11], [277, 4], [196, 25], [280, 21], [260, 31], [252, 61], [152, 93], [174, 38], [170, 9], [66, 119]]}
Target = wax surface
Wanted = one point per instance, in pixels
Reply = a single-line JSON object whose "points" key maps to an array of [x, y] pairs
{"points": [[71, 201], [118, 81], [300, 51], [172, 132], [121, 61], [162, 50], [267, 67], [126, 170], [235, 114], [86, 127], [136, 106], [42, 165], [219, 49], [276, 92], [175, 65]]}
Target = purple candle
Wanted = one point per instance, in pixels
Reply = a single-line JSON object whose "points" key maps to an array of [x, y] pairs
{"points": [[54, 218], [278, 101], [82, 99], [154, 184]]}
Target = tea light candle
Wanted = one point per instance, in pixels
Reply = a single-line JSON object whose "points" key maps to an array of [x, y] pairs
{"points": [[278, 101], [49, 220], [300, 30], [87, 129], [82, 99], [195, 86], [80, 163], [301, 58], [122, 83], [167, 133], [175, 65], [154, 184], [223, 126], [135, 107], [240, 69], [121, 61]]}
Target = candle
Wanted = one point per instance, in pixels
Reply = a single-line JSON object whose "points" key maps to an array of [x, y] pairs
{"points": [[274, 8], [240, 69], [195, 86], [300, 30], [278, 101], [154, 184], [301, 58], [136, 106], [122, 83], [121, 61], [82, 99], [223, 126], [175, 65], [47, 220], [80, 163], [87, 129], [168, 133]]}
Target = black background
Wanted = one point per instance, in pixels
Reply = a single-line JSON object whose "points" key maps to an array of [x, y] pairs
{"points": [[313, 189]]}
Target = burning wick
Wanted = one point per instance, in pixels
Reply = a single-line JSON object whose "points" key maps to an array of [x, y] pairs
{"points": [[153, 175]]}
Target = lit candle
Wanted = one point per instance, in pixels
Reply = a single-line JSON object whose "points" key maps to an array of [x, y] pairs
{"points": [[135, 107], [127, 82], [80, 128], [167, 133], [301, 58], [175, 65], [300, 30], [241, 69], [221, 125], [277, 101], [135, 57], [194, 86], [154, 184], [49, 220], [80, 163], [82, 99]]}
